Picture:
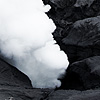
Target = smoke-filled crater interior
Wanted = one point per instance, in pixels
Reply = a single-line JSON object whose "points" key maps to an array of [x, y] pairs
{"points": [[26, 42]]}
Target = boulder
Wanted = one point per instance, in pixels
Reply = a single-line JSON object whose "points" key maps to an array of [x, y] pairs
{"points": [[83, 75], [83, 40]]}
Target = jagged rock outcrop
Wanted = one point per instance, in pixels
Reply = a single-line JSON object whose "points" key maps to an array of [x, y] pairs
{"points": [[14, 85], [82, 43], [78, 34], [84, 74], [83, 40]]}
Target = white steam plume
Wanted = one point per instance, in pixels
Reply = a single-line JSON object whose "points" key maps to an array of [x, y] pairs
{"points": [[27, 43]]}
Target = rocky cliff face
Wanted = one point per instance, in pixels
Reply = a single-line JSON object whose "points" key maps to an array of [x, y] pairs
{"points": [[78, 34]]}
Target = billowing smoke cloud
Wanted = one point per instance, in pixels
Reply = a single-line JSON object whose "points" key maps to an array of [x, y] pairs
{"points": [[27, 43]]}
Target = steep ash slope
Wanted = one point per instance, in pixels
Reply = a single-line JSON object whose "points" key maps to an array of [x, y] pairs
{"points": [[11, 76]]}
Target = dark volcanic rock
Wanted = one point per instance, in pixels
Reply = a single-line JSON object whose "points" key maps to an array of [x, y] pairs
{"points": [[78, 34], [75, 95], [84, 32], [14, 93], [84, 74], [73, 10], [14, 85], [83, 40], [78, 25], [64, 13], [11, 76]]}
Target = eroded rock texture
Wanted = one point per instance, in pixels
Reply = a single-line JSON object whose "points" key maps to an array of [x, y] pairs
{"points": [[11, 76], [74, 95], [78, 34], [14, 85]]}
